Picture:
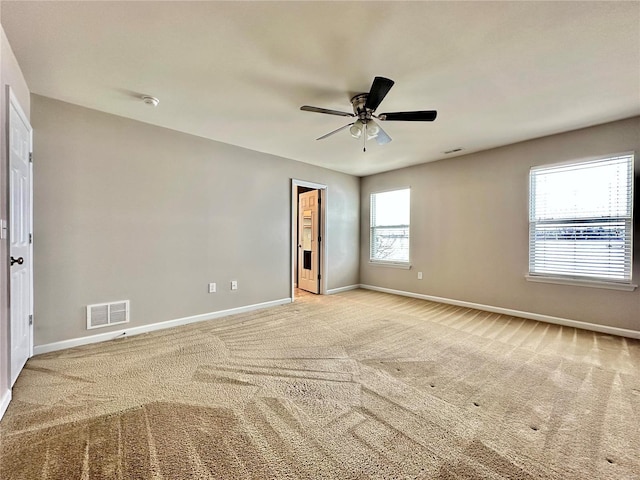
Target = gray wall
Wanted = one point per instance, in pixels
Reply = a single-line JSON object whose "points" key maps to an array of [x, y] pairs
{"points": [[127, 210], [469, 229], [10, 74]]}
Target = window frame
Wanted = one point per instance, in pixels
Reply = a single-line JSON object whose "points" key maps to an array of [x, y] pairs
{"points": [[579, 280], [388, 263]]}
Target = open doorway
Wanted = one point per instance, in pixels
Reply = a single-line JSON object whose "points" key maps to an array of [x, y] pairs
{"points": [[308, 242]]}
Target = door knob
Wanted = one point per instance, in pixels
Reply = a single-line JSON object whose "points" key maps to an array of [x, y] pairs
{"points": [[18, 260]]}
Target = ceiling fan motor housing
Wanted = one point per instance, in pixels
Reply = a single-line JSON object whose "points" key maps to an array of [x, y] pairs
{"points": [[358, 102]]}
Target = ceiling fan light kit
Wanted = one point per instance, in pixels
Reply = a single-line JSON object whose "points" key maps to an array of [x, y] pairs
{"points": [[356, 129], [364, 105], [372, 129]]}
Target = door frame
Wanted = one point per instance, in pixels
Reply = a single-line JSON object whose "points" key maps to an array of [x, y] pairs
{"points": [[323, 264], [12, 101]]}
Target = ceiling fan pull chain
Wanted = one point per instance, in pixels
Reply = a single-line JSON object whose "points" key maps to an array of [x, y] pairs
{"points": [[364, 139]]}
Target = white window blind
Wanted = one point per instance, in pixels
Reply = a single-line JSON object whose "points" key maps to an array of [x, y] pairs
{"points": [[580, 220], [390, 212]]}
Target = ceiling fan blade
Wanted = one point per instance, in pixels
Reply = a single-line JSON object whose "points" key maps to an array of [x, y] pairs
{"points": [[379, 89], [382, 138], [417, 116], [308, 108], [335, 131]]}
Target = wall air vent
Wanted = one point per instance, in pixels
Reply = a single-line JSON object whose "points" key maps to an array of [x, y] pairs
{"points": [[107, 314]]}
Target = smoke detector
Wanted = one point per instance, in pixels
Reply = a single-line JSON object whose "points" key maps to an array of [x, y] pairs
{"points": [[149, 100]]}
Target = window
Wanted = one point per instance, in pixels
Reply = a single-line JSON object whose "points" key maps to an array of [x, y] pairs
{"points": [[390, 227], [580, 220]]}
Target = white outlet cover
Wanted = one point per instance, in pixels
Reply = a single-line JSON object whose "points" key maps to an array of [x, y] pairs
{"points": [[234, 285], [419, 275], [212, 288]]}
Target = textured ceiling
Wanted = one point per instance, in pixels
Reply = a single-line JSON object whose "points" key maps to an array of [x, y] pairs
{"points": [[237, 72]]}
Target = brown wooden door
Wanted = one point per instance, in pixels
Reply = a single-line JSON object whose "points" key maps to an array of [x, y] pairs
{"points": [[308, 233]]}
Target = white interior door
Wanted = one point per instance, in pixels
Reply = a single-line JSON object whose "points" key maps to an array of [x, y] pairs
{"points": [[308, 236], [20, 237]]}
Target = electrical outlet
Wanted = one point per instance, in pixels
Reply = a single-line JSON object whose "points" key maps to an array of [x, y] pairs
{"points": [[419, 275], [212, 288], [234, 284]]}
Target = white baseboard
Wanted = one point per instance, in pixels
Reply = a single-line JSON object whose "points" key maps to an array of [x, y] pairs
{"points": [[103, 337], [4, 403], [623, 332], [342, 289]]}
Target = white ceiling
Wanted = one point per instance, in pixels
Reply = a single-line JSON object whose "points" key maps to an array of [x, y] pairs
{"points": [[237, 72]]}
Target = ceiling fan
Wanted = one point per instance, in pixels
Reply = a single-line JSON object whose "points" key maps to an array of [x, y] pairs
{"points": [[364, 105]]}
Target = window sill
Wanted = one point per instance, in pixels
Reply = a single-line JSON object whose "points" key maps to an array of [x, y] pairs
{"points": [[377, 263], [627, 287]]}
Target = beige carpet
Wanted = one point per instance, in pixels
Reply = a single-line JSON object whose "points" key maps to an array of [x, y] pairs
{"points": [[356, 385]]}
